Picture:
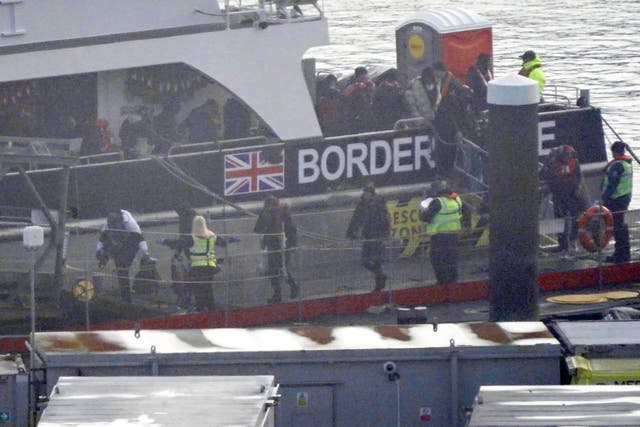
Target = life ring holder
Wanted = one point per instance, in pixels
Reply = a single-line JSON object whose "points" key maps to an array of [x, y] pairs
{"points": [[595, 228]]}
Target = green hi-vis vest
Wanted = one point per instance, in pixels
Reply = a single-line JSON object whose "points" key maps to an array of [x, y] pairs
{"points": [[202, 253], [449, 217], [625, 185]]}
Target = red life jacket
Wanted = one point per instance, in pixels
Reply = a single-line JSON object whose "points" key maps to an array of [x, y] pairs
{"points": [[564, 165]]}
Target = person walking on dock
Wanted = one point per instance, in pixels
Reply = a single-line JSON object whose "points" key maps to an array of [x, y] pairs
{"points": [[617, 187], [121, 239], [204, 264], [563, 175], [180, 262], [273, 222], [443, 213], [371, 222]]}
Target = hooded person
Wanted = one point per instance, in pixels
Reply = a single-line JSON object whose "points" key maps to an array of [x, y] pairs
{"points": [[532, 68], [273, 222], [121, 239], [180, 263], [563, 175], [388, 102], [422, 97], [358, 102], [478, 77], [617, 187], [371, 223]]}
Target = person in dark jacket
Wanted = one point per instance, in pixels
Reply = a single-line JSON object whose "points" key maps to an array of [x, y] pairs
{"points": [[453, 119], [563, 175], [329, 107], [121, 239], [478, 76], [371, 222], [180, 261], [202, 124], [358, 98], [273, 221], [388, 102], [617, 187]]}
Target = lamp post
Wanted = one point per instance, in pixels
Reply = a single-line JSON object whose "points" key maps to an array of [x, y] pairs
{"points": [[32, 240]]}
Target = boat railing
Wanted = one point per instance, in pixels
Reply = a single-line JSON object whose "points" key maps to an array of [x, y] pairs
{"points": [[265, 12], [199, 147], [410, 123], [471, 162], [565, 95], [34, 152], [112, 156]]}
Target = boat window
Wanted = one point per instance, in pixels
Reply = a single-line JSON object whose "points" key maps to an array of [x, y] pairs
{"points": [[133, 112]]}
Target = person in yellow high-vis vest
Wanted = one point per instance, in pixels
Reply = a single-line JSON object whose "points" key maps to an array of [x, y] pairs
{"points": [[616, 196], [204, 264], [443, 214], [532, 68]]}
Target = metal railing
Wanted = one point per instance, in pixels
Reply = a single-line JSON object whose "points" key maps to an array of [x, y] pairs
{"points": [[263, 12]]}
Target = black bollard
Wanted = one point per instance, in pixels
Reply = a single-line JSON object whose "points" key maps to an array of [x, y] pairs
{"points": [[513, 198]]}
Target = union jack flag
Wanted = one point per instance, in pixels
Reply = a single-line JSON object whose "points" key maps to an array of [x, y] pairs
{"points": [[249, 173]]}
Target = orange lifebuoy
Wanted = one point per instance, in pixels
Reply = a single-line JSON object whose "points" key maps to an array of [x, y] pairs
{"points": [[595, 228]]}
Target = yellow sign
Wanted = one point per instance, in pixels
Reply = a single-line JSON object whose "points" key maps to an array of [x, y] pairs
{"points": [[406, 224], [416, 46], [83, 290]]}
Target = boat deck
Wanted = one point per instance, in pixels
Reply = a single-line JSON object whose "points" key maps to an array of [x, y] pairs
{"points": [[334, 288]]}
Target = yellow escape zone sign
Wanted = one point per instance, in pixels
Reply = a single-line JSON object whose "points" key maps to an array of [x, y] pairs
{"points": [[406, 225], [416, 46]]}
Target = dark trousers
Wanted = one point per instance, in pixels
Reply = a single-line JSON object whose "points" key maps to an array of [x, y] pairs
{"points": [[274, 271], [569, 206], [201, 278], [372, 255], [444, 257], [622, 251], [124, 282]]}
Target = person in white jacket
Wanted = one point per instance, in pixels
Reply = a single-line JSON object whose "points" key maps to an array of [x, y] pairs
{"points": [[121, 240], [422, 96]]}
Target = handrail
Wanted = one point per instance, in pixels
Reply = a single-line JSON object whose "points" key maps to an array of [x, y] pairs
{"points": [[112, 156], [70, 145], [214, 145], [258, 13]]}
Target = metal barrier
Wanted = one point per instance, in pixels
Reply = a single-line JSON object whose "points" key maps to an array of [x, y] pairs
{"points": [[114, 156], [471, 162], [216, 145], [263, 12]]}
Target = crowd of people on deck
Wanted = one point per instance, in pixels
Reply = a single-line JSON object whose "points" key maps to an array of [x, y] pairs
{"points": [[440, 101], [435, 99]]}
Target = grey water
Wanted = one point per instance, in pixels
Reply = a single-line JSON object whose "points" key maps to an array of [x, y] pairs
{"points": [[588, 44]]}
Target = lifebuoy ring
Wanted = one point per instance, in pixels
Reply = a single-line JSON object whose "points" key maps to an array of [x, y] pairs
{"points": [[595, 228]]}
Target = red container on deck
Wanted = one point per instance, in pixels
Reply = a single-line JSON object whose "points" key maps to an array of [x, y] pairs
{"points": [[452, 35]]}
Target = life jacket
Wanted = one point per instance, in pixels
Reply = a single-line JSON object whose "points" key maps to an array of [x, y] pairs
{"points": [[625, 186], [564, 166], [533, 70], [449, 218], [105, 133], [202, 252], [446, 82]]}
